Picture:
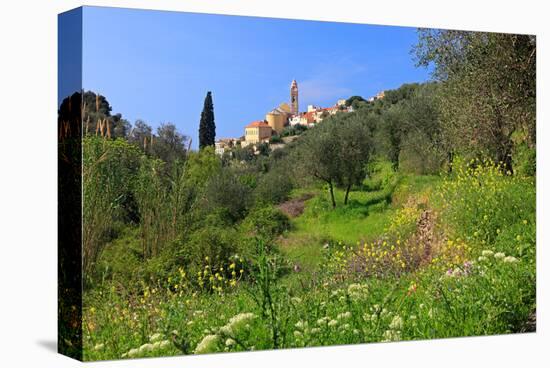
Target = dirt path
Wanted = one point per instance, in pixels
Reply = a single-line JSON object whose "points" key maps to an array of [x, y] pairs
{"points": [[295, 207]]}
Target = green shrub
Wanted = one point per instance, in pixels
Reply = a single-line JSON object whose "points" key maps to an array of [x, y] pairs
{"points": [[525, 160], [212, 242], [275, 139], [273, 187], [379, 175], [266, 222], [480, 201], [225, 190]]}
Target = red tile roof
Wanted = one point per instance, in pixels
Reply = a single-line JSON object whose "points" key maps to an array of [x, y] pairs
{"points": [[310, 114], [256, 124]]}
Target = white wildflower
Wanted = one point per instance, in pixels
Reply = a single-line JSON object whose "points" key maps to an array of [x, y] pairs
{"points": [[298, 334], [240, 320], [344, 315], [145, 347], [226, 330], [357, 291], [99, 347], [164, 344], [500, 255], [482, 258], [301, 325], [510, 259], [229, 342], [156, 345], [396, 323], [155, 337], [487, 253], [133, 353], [208, 344], [315, 330], [332, 323], [236, 323], [392, 335], [322, 321]]}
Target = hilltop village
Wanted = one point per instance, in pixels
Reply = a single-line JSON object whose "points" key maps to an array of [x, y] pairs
{"points": [[270, 130]]}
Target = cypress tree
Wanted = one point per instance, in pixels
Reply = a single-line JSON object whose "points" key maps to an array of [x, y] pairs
{"points": [[207, 127]]}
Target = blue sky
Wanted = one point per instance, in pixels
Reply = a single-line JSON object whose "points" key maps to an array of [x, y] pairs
{"points": [[158, 65]]}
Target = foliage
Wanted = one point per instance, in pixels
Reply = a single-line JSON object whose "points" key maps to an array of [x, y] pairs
{"points": [[489, 89], [356, 102], [265, 222], [169, 144], [212, 242], [292, 130], [185, 252], [464, 287], [140, 134], [275, 139], [151, 194], [207, 126], [107, 174], [481, 203], [380, 174], [224, 190], [274, 186], [336, 153]]}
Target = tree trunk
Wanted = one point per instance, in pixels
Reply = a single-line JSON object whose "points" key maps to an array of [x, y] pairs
{"points": [[331, 189], [347, 194], [450, 158]]}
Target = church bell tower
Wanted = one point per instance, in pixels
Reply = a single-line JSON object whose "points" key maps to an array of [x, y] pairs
{"points": [[294, 98]]}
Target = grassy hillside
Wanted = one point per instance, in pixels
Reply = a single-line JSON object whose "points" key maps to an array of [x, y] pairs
{"points": [[410, 268]]}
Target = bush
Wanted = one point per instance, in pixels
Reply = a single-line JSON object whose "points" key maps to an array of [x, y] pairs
{"points": [[226, 191], [273, 187], [210, 242], [525, 160], [293, 130], [420, 156], [480, 201], [266, 222], [379, 175], [275, 139]]}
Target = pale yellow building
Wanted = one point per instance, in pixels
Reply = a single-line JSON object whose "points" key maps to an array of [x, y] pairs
{"points": [[277, 119], [257, 132]]}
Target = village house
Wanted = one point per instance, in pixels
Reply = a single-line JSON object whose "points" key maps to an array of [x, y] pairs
{"points": [[256, 132], [224, 145], [289, 114], [378, 96]]}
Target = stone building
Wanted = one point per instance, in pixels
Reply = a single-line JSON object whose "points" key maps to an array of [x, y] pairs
{"points": [[277, 118], [257, 132]]}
